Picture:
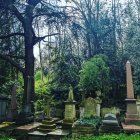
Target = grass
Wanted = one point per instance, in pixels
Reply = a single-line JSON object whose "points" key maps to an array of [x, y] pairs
{"points": [[109, 137], [6, 138]]}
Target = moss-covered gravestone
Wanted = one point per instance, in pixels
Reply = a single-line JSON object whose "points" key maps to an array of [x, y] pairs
{"points": [[70, 111], [90, 108]]}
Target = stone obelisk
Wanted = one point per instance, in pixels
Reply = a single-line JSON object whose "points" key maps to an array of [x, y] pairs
{"points": [[12, 114], [131, 113]]}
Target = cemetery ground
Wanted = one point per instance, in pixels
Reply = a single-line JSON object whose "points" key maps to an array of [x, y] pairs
{"points": [[89, 120]]}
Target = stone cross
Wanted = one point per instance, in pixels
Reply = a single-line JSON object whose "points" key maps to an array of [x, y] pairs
{"points": [[130, 90]]}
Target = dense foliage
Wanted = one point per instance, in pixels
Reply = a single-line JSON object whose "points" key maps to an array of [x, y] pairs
{"points": [[92, 121], [95, 75], [81, 43]]}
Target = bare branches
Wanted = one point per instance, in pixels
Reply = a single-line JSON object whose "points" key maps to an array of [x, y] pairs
{"points": [[38, 39], [11, 35], [12, 62]]}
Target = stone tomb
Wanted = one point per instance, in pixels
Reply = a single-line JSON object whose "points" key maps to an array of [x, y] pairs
{"points": [[110, 124], [21, 132]]}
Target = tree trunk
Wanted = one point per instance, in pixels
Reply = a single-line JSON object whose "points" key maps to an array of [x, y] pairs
{"points": [[28, 97]]}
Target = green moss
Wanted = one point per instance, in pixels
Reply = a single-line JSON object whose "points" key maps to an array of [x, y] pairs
{"points": [[92, 121], [109, 137]]}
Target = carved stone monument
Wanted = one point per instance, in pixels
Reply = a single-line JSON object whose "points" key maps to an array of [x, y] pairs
{"points": [[131, 113], [70, 111]]}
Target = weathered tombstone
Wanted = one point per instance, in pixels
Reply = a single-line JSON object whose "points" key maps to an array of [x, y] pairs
{"points": [[90, 108], [131, 113], [70, 111], [3, 104], [82, 106], [12, 114], [110, 124]]}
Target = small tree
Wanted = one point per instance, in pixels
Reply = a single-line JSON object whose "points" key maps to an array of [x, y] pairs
{"points": [[95, 75]]}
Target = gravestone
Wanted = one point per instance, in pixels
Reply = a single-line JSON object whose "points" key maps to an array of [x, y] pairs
{"points": [[70, 111], [12, 114], [110, 124], [90, 108], [131, 113], [3, 104]]}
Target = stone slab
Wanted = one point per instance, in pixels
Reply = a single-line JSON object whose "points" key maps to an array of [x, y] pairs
{"points": [[110, 122], [37, 135], [58, 134], [130, 128], [26, 128]]}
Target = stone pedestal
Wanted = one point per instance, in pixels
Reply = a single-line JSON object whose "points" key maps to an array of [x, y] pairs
{"points": [[131, 114], [70, 111], [48, 125], [70, 114], [25, 116], [138, 107]]}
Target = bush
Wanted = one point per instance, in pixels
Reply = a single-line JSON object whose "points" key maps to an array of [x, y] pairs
{"points": [[94, 75], [92, 121]]}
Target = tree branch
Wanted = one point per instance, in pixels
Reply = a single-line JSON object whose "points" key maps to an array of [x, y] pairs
{"points": [[16, 57], [16, 13], [12, 62], [10, 35], [38, 39]]}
